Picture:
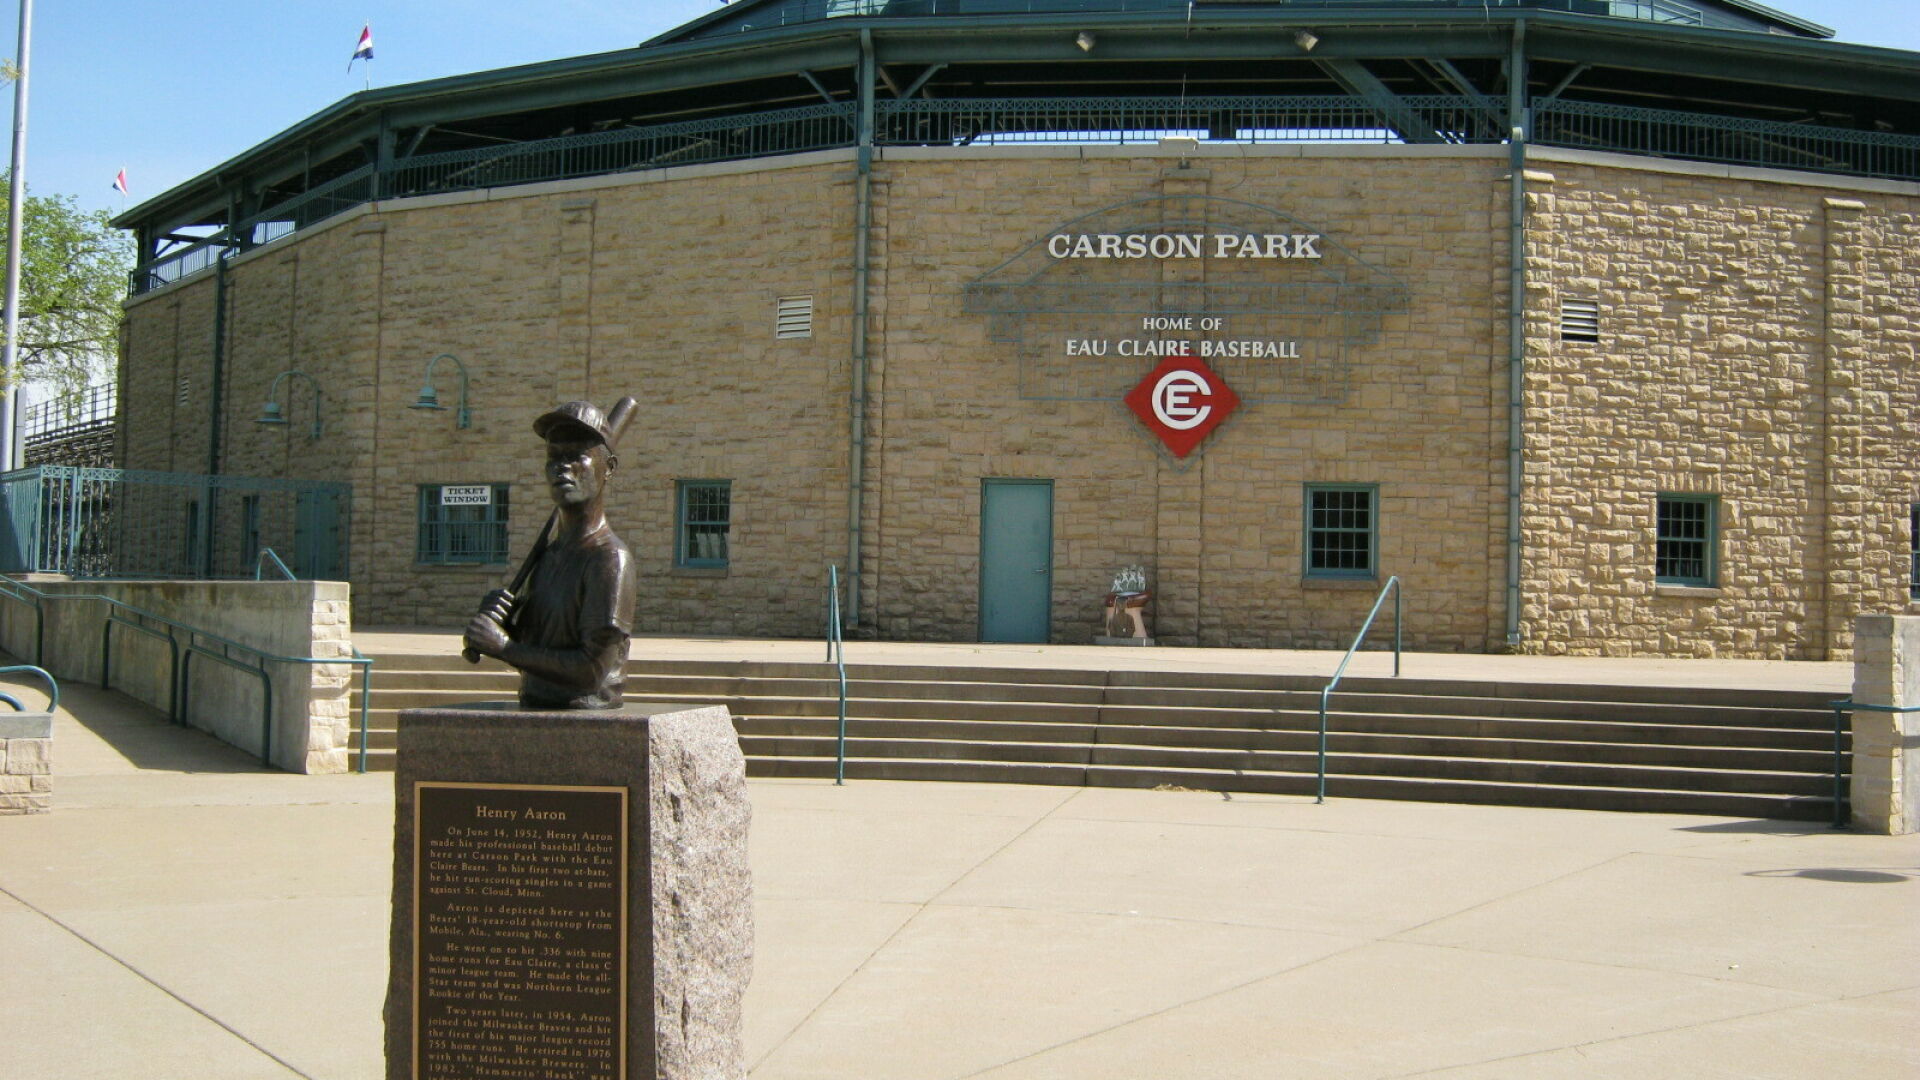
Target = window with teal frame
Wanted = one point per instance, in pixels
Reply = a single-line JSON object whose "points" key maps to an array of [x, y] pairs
{"points": [[1685, 536], [1343, 530], [459, 528], [704, 516]]}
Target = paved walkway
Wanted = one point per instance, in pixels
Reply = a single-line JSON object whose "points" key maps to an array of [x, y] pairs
{"points": [[182, 914], [1834, 677]]}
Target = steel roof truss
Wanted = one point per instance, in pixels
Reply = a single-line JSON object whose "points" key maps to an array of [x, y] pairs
{"points": [[818, 88], [1394, 113], [920, 83]]}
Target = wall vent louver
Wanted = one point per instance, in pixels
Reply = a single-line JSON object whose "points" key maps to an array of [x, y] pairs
{"points": [[1579, 320], [793, 317]]}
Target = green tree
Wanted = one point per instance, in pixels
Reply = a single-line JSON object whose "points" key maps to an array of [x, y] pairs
{"points": [[73, 276]]}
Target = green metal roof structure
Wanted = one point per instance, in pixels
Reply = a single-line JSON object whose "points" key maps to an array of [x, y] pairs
{"points": [[1723, 81]]}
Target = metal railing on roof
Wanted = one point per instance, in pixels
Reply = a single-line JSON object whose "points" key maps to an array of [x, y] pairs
{"points": [[748, 135], [1431, 118], [802, 12], [1212, 120], [82, 410], [1624, 129]]}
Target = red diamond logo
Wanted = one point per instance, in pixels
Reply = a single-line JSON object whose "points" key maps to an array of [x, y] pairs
{"points": [[1182, 401]]}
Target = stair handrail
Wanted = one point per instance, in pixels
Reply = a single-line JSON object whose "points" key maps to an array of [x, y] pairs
{"points": [[260, 565], [1393, 586], [53, 688], [837, 656], [1840, 710], [195, 641]]}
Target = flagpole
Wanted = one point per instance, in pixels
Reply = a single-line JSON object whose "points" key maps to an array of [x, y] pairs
{"points": [[16, 201]]}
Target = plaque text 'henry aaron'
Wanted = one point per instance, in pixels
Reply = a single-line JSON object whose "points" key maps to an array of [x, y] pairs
{"points": [[519, 932]]}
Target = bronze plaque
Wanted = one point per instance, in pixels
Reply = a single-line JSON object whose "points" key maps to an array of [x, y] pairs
{"points": [[519, 931]]}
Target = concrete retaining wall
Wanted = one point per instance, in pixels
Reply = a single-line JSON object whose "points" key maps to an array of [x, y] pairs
{"points": [[306, 729]]}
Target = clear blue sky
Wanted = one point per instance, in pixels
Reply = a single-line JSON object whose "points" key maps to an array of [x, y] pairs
{"points": [[169, 90]]}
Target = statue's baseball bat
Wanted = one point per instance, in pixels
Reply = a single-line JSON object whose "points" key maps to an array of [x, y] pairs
{"points": [[617, 421]]}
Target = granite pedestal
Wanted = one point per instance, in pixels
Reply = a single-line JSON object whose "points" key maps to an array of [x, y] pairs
{"points": [[571, 895]]}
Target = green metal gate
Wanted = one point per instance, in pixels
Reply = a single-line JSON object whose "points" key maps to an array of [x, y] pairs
{"points": [[132, 523]]}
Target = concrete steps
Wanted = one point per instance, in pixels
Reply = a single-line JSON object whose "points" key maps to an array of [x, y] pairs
{"points": [[1674, 749]]}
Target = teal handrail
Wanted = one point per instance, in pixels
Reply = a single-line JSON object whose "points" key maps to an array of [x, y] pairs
{"points": [[196, 641], [1393, 586], [837, 656], [259, 565], [1840, 709], [53, 688]]}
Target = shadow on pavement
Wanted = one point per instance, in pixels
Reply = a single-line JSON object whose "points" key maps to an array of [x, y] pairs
{"points": [[104, 731]]}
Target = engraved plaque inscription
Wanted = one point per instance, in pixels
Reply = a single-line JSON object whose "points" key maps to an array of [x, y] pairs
{"points": [[520, 931]]}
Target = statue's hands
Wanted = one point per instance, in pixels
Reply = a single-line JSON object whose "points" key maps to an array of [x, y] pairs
{"points": [[486, 631], [485, 636], [497, 606]]}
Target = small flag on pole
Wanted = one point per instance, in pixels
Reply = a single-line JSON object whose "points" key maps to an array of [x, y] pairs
{"points": [[120, 181], [364, 50]]}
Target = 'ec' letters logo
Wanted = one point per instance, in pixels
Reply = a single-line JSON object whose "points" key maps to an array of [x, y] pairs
{"points": [[1182, 401]]}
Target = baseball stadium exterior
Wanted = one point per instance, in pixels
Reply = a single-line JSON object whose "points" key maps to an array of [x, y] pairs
{"points": [[1593, 322]]}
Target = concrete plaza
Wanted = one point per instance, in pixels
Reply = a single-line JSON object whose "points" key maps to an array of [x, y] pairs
{"points": [[184, 914]]}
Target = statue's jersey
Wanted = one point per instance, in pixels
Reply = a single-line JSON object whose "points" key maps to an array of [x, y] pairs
{"points": [[579, 600]]}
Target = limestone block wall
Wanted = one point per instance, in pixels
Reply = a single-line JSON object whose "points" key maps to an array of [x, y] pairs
{"points": [[1885, 789], [166, 370], [664, 289], [1756, 345], [26, 763], [1221, 534]]}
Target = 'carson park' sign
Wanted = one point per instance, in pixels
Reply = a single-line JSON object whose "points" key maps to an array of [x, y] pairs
{"points": [[1183, 245]]}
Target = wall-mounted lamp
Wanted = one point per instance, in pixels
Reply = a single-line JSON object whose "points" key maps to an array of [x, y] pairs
{"points": [[1084, 40], [1306, 39], [429, 399], [270, 412]]}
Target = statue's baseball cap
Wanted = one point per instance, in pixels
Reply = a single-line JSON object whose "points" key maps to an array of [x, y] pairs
{"points": [[581, 416]]}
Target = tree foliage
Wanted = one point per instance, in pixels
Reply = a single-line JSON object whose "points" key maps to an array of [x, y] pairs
{"points": [[73, 276]]}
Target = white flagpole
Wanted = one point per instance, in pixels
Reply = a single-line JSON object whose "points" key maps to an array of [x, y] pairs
{"points": [[16, 199]]}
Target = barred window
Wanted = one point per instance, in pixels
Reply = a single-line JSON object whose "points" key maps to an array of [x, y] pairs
{"points": [[703, 518], [1342, 530], [463, 523], [1684, 539], [1913, 550]]}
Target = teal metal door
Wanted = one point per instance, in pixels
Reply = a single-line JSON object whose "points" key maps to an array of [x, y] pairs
{"points": [[316, 537], [1016, 559]]}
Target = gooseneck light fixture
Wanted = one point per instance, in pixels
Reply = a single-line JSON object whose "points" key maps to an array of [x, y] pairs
{"points": [[270, 412], [430, 399]]}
